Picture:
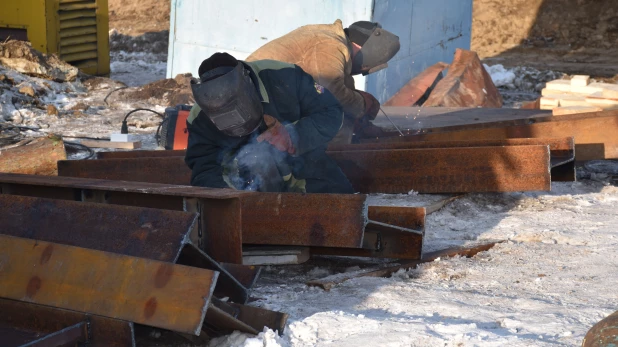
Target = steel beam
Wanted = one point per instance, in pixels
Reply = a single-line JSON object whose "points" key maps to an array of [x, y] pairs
{"points": [[138, 232], [325, 220], [448, 170], [562, 150], [594, 133], [382, 241], [23, 319], [247, 217], [429, 170], [148, 292]]}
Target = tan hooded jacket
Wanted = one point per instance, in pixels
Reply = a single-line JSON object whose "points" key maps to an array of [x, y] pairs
{"points": [[322, 51]]}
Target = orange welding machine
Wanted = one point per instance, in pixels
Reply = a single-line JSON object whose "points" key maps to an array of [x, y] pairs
{"points": [[174, 132]]}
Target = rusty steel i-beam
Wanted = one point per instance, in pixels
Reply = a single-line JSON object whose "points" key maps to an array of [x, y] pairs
{"points": [[148, 292], [428, 170], [594, 132], [139, 232]]}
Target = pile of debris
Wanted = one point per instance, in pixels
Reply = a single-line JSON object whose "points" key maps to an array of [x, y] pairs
{"points": [[578, 95]]}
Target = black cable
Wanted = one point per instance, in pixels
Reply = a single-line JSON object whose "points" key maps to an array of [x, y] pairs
{"points": [[79, 145], [157, 134], [110, 93], [124, 129]]}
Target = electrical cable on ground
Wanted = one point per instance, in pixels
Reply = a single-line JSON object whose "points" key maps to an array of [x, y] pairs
{"points": [[124, 129], [110, 93]]}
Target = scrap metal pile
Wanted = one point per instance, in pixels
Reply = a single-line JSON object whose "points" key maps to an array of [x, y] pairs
{"points": [[93, 250]]}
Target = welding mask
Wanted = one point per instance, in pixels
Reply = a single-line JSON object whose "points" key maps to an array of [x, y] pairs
{"points": [[227, 95], [378, 46]]}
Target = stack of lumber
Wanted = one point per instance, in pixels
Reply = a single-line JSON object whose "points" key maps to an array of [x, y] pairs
{"points": [[578, 95]]}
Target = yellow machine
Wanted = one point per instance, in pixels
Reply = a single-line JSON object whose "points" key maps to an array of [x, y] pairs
{"points": [[77, 30]]}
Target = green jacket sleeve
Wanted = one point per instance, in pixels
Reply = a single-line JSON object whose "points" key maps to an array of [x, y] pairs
{"points": [[321, 115]]}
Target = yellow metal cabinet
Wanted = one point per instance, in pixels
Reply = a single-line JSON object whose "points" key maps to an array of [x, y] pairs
{"points": [[77, 30]]}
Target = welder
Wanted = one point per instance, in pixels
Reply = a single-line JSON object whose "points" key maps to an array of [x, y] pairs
{"points": [[262, 126], [332, 55]]}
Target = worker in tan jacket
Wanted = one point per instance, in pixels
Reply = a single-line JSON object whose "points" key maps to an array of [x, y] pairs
{"points": [[332, 55]]}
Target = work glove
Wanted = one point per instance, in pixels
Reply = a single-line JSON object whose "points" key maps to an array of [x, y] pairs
{"points": [[277, 135], [372, 106]]}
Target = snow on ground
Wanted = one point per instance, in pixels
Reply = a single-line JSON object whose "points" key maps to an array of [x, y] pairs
{"points": [[137, 68], [520, 84], [546, 286]]}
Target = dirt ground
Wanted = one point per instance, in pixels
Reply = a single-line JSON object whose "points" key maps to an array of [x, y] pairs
{"points": [[137, 17], [572, 36]]}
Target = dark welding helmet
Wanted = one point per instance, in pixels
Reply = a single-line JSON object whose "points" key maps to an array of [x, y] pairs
{"points": [[227, 95], [378, 46]]}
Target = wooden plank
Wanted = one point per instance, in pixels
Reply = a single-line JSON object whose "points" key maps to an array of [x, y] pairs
{"points": [[112, 144], [148, 292]]}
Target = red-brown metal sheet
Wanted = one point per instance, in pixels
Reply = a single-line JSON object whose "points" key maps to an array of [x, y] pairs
{"points": [[448, 170], [328, 220]]}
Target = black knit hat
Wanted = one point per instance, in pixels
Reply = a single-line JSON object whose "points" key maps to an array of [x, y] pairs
{"points": [[215, 61], [359, 32]]}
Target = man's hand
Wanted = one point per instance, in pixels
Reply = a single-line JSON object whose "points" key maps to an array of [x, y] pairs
{"points": [[277, 135], [372, 105]]}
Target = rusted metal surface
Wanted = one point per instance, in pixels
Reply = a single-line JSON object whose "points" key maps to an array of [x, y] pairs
{"points": [[166, 170], [133, 231], [227, 284], [222, 228], [328, 282], [382, 241], [144, 291], [443, 170], [224, 318], [246, 275], [448, 170], [326, 220], [604, 333], [412, 92], [562, 150], [72, 335], [405, 217], [466, 84], [258, 318], [140, 232], [594, 133], [118, 186]]}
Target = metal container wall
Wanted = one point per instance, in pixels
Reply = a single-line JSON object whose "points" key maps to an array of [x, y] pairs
{"points": [[429, 30]]}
